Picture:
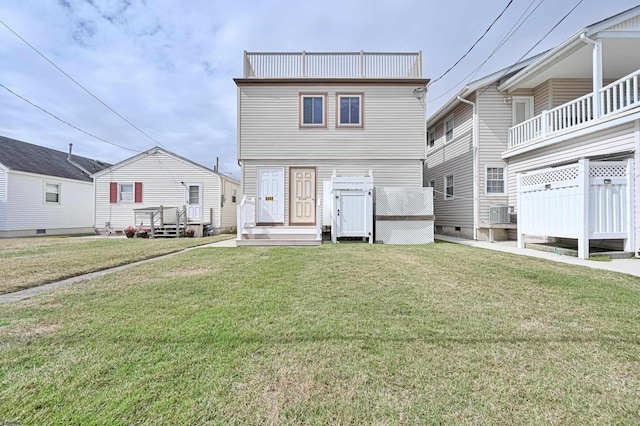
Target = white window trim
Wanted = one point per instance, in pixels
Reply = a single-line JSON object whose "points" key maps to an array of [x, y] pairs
{"points": [[453, 126], [133, 192], [324, 110], [504, 180], [59, 185], [358, 125], [444, 192]]}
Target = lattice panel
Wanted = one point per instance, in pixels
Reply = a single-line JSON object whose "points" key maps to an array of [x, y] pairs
{"points": [[608, 171], [561, 175], [401, 201], [404, 232]]}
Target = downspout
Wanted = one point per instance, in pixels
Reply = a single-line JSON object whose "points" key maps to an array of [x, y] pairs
{"points": [[474, 149]]}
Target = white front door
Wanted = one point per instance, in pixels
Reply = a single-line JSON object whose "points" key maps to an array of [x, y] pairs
{"points": [[270, 207], [302, 188], [194, 201]]}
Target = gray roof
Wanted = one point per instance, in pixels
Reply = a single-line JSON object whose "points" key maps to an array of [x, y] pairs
{"points": [[26, 157]]}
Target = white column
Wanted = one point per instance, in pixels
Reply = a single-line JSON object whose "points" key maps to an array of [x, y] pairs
{"points": [[583, 209], [597, 78]]}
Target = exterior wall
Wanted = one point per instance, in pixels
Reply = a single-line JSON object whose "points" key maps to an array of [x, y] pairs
{"points": [[495, 118], [27, 211], [163, 180], [385, 173], [453, 157], [229, 210], [3, 199], [269, 116]]}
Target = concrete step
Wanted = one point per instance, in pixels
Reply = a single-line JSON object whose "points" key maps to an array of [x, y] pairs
{"points": [[278, 242]]}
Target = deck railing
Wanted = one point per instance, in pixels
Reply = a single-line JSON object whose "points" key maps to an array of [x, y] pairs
{"points": [[617, 97], [332, 65], [246, 215]]}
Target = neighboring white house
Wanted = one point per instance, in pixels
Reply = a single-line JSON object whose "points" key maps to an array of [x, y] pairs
{"points": [[558, 136], [303, 115], [157, 178], [44, 191]]}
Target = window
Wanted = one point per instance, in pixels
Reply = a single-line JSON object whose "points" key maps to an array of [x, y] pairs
{"points": [[448, 129], [52, 193], [312, 109], [448, 186], [194, 194], [349, 109], [431, 138], [234, 195], [494, 180], [126, 192]]}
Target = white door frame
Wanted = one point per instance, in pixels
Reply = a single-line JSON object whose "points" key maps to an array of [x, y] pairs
{"points": [[190, 208]]}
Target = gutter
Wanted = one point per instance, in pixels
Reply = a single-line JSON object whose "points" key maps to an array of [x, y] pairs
{"points": [[474, 144]]}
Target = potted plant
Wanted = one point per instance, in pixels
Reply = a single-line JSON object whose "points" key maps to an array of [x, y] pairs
{"points": [[190, 232], [129, 231]]}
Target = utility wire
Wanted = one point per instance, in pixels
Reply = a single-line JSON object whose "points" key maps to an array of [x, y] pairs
{"points": [[514, 29], [80, 85], [65, 122], [474, 44]]}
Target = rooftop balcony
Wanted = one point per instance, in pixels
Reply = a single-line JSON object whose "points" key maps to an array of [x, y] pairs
{"points": [[332, 65], [617, 97]]}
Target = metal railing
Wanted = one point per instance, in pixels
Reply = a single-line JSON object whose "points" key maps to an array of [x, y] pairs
{"points": [[618, 96], [332, 65]]}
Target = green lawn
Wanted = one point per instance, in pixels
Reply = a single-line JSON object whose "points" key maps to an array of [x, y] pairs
{"points": [[28, 262], [337, 334]]}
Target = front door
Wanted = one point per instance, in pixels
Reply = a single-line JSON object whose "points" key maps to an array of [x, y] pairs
{"points": [[194, 202], [302, 188], [270, 207]]}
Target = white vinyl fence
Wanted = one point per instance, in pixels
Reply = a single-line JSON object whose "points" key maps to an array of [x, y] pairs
{"points": [[587, 200], [404, 215]]}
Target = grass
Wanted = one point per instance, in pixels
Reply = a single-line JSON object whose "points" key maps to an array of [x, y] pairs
{"points": [[29, 262], [337, 334]]}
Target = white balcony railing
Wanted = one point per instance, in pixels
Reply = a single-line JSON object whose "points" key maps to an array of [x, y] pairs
{"points": [[617, 97], [332, 65]]}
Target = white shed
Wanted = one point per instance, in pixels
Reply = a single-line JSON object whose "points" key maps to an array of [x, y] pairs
{"points": [[158, 177]]}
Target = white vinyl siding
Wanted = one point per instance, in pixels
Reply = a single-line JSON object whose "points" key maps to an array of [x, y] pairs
{"points": [[385, 173], [3, 199], [269, 124], [163, 180], [229, 210]]}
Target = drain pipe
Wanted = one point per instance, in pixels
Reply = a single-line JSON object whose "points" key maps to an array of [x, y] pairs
{"points": [[474, 145]]}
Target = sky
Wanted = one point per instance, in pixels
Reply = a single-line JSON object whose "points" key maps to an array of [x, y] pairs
{"points": [[167, 66]]}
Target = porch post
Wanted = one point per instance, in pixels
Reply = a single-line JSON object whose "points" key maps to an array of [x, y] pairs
{"points": [[583, 208], [597, 79]]}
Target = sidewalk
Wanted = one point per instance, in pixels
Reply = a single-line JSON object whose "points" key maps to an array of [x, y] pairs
{"points": [[625, 266]]}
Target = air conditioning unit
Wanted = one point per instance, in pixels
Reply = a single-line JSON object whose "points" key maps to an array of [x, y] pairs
{"points": [[500, 214]]}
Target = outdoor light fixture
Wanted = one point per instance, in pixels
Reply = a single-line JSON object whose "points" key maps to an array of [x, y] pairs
{"points": [[419, 92], [607, 181]]}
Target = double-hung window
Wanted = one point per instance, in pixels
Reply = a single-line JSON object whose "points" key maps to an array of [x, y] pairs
{"points": [[313, 110], [448, 187], [431, 137], [126, 192], [52, 192], [495, 180], [448, 129], [349, 109]]}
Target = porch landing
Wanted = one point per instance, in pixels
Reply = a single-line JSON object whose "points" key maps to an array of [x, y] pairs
{"points": [[279, 236]]}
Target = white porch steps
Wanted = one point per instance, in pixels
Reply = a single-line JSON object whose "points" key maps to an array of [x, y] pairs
{"points": [[279, 236]]}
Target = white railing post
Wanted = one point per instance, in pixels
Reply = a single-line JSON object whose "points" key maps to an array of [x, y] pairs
{"points": [[597, 79], [583, 208], [304, 63], [361, 63], [240, 217], [318, 221]]}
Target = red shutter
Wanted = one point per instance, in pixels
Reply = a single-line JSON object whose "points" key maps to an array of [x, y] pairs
{"points": [[138, 192], [113, 192]]}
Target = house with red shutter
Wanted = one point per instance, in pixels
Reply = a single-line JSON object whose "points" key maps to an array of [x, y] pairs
{"points": [[160, 190]]}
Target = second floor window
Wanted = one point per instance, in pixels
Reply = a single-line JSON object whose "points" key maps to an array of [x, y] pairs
{"points": [[349, 110], [312, 110], [431, 137], [448, 130]]}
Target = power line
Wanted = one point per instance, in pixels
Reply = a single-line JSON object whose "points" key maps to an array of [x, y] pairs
{"points": [[80, 85], [474, 44], [514, 29], [65, 122]]}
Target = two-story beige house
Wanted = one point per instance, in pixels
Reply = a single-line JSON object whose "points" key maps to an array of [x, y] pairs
{"points": [[303, 115], [556, 137]]}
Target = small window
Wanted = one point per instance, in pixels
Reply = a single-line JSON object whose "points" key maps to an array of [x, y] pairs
{"points": [[194, 194], [448, 129], [448, 185], [431, 137], [234, 193], [349, 110], [312, 110], [495, 180], [52, 193], [126, 192]]}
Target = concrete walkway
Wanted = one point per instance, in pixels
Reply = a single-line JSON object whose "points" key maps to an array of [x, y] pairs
{"points": [[625, 266]]}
